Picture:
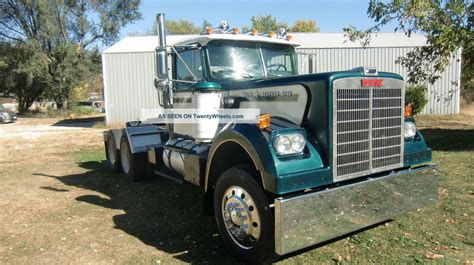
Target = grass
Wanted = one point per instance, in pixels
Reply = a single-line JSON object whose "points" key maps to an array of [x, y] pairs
{"points": [[442, 233], [86, 155], [60, 202]]}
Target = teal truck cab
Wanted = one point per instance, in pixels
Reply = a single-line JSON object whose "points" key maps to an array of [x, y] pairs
{"points": [[330, 154]]}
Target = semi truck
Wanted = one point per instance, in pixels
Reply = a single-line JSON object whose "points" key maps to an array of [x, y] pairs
{"points": [[329, 154]]}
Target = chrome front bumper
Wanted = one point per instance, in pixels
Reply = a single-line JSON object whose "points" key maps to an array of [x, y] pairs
{"points": [[312, 218]]}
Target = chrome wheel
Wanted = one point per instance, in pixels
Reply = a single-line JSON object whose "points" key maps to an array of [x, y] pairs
{"points": [[241, 217], [111, 151], [125, 156]]}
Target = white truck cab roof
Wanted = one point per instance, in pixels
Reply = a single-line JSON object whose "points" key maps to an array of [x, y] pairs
{"points": [[204, 39]]}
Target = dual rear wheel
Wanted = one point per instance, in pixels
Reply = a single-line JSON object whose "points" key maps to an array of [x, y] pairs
{"points": [[134, 166], [113, 156]]}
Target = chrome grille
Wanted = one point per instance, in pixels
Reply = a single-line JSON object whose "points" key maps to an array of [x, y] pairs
{"points": [[367, 128]]}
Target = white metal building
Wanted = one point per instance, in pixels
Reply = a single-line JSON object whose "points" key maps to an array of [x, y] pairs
{"points": [[128, 68]]}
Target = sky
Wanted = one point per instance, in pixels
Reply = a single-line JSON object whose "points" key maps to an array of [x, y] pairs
{"points": [[330, 15]]}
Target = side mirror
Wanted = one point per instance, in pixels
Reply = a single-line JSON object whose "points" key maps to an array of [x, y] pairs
{"points": [[161, 62], [161, 81]]}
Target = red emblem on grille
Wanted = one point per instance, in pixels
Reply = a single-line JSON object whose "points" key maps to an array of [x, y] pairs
{"points": [[372, 82]]}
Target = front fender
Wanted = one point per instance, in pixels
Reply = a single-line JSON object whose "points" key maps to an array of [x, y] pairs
{"points": [[279, 175], [253, 141]]}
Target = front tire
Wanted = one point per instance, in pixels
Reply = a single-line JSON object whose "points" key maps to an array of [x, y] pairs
{"points": [[244, 217], [134, 166]]}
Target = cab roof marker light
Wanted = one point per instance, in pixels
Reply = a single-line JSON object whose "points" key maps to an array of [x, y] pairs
{"points": [[253, 32]]}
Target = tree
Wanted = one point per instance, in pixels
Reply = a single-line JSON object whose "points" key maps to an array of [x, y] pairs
{"points": [[71, 67], [180, 27], [447, 25], [415, 97], [302, 25], [266, 24], [205, 24], [21, 75], [63, 33], [467, 78]]}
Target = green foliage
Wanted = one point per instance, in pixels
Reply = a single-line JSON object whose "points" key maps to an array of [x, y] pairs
{"points": [[71, 66], [467, 78], [303, 25], [415, 96], [260, 23], [447, 24], [267, 23], [21, 74], [62, 34], [180, 27]]}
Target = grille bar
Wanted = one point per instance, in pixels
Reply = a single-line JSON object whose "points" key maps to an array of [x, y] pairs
{"points": [[367, 128]]}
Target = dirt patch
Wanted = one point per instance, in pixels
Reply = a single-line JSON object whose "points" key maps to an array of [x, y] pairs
{"points": [[467, 109], [36, 142], [37, 224], [464, 120], [61, 204]]}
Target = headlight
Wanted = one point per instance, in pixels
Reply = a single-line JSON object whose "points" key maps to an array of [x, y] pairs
{"points": [[289, 144], [410, 129]]}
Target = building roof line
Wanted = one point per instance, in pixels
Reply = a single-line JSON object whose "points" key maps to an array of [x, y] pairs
{"points": [[319, 40]]}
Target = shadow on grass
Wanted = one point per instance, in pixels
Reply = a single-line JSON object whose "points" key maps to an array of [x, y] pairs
{"points": [[449, 139], [160, 213], [86, 122]]}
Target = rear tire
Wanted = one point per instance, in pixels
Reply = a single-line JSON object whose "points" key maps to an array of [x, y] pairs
{"points": [[113, 155], [244, 217], [134, 166]]}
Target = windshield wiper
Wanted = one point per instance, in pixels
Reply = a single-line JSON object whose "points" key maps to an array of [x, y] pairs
{"points": [[275, 75], [249, 75]]}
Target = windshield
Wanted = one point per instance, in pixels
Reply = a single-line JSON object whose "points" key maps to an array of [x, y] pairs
{"points": [[248, 60], [279, 59]]}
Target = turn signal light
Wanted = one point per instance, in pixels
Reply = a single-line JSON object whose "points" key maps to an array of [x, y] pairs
{"points": [[408, 110], [271, 34], [235, 30], [289, 37], [263, 121], [209, 30], [254, 32]]}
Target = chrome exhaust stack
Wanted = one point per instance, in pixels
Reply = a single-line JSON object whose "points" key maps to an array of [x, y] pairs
{"points": [[162, 79]]}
